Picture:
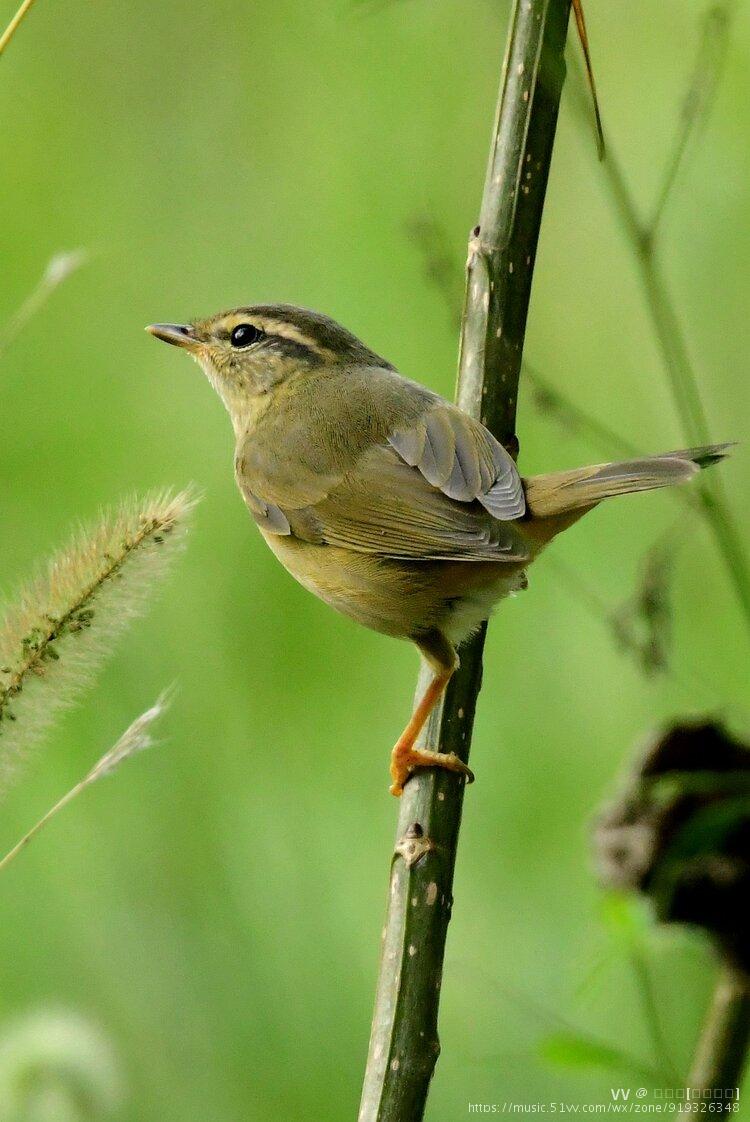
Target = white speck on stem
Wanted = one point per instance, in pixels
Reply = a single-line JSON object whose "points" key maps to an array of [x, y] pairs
{"points": [[431, 894], [412, 950]]}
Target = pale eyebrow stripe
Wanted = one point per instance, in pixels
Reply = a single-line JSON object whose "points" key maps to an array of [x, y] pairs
{"points": [[286, 330]]}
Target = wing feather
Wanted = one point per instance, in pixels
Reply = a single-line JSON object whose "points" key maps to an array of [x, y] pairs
{"points": [[461, 457], [437, 459], [388, 508], [410, 443]]}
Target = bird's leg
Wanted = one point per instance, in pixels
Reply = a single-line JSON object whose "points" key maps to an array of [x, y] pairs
{"points": [[441, 656]]}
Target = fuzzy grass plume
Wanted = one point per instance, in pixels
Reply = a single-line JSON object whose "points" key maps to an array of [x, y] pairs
{"points": [[65, 621], [136, 738]]}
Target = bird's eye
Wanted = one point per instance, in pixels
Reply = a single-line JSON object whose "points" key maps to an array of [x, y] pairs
{"points": [[244, 334]]}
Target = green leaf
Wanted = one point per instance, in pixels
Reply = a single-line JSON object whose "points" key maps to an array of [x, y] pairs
{"points": [[625, 918], [571, 1051]]}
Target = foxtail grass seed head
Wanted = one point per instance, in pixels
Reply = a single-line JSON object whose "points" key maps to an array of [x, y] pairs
{"points": [[64, 623]]}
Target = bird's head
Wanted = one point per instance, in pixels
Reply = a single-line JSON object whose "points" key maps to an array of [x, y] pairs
{"points": [[247, 352]]}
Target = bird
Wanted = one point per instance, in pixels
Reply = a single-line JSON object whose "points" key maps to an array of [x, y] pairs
{"points": [[384, 499]]}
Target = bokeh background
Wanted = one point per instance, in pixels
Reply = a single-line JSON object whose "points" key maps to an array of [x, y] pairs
{"points": [[207, 923]]}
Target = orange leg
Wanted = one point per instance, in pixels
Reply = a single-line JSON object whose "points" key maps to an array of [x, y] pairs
{"points": [[405, 758]]}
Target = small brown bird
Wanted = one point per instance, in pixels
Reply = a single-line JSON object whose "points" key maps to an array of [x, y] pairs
{"points": [[382, 498]]}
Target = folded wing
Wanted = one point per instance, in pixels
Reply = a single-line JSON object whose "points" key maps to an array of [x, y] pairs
{"points": [[439, 488], [461, 457]]}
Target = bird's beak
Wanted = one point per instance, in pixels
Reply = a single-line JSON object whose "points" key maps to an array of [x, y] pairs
{"points": [[178, 334]]}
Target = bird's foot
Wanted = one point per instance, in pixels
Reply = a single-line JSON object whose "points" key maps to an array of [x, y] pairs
{"points": [[406, 759]]}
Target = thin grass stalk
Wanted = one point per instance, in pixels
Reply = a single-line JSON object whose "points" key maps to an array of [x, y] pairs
{"points": [[723, 1048], [14, 24], [136, 738], [709, 64], [678, 365], [57, 270], [652, 1015], [721, 1055], [548, 399], [404, 1043]]}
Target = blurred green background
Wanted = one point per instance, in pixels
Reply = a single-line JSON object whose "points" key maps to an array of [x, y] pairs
{"points": [[214, 912]]}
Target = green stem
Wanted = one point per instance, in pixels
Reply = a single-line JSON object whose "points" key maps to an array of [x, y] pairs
{"points": [[63, 802], [722, 1050], [650, 1005], [548, 399], [682, 376], [707, 70], [404, 1042]]}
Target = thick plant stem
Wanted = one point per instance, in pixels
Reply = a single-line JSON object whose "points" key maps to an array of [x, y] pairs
{"points": [[404, 1043], [722, 1050]]}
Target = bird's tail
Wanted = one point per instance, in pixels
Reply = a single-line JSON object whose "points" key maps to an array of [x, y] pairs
{"points": [[566, 495]]}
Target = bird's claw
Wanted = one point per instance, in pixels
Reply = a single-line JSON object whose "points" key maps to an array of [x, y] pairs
{"points": [[405, 761]]}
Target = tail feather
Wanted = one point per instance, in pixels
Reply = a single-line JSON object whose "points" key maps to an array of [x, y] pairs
{"points": [[574, 492], [703, 457]]}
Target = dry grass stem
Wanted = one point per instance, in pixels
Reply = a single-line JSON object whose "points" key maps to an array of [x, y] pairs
{"points": [[14, 24], [57, 270], [136, 738]]}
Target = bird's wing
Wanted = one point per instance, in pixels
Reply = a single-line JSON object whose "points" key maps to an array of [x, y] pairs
{"points": [[383, 506], [386, 507], [461, 457], [437, 485]]}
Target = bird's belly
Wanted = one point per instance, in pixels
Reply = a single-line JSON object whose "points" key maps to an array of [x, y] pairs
{"points": [[400, 598], [477, 601]]}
